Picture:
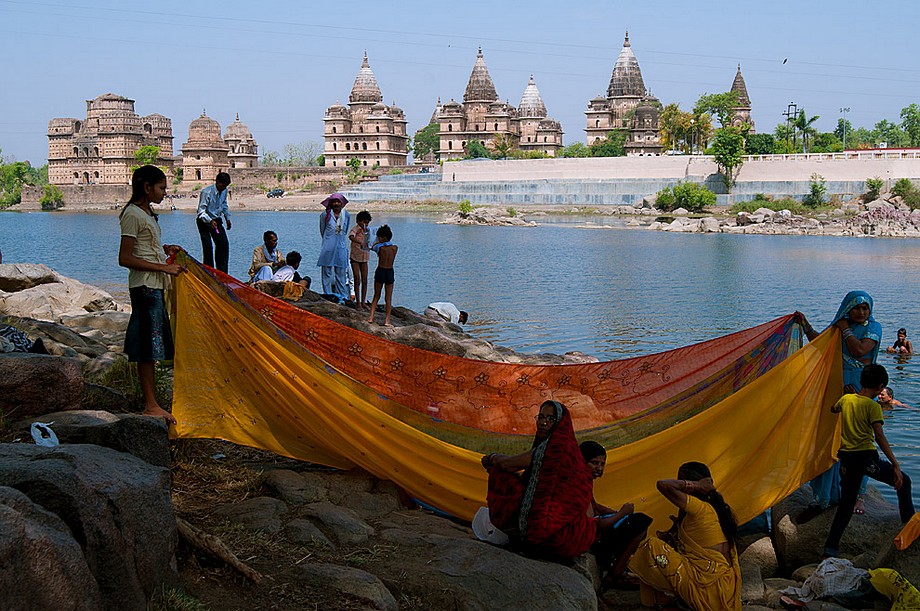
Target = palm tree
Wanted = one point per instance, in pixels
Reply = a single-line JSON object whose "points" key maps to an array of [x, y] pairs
{"points": [[804, 125]]}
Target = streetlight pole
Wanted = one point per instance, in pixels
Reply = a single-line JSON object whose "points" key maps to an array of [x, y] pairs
{"points": [[790, 114], [844, 111]]}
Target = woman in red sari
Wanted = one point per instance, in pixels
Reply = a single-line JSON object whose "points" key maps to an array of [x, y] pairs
{"points": [[547, 507]]}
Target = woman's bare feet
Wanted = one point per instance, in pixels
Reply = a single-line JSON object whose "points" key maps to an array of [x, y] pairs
{"points": [[860, 507], [158, 412]]}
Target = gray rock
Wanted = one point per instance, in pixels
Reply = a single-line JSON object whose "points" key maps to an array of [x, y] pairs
{"points": [[43, 566], [260, 513], [752, 588], [304, 532], [102, 398], [345, 525], [650, 201], [20, 276], [710, 224], [118, 508], [296, 488], [50, 301], [680, 212], [762, 555], [742, 219], [53, 334], [804, 572], [142, 436], [851, 208], [37, 384], [108, 321], [468, 575], [764, 212], [906, 562], [351, 582], [371, 506]]}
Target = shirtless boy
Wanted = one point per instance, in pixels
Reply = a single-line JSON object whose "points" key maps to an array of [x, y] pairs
{"points": [[383, 276]]}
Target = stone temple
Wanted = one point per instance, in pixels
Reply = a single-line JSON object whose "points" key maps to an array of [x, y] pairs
{"points": [[742, 112], [99, 150], [207, 152], [628, 107], [367, 129], [483, 117]]}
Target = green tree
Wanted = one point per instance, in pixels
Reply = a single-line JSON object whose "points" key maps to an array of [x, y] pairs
{"points": [[427, 141], [728, 149], [611, 146], [147, 155], [677, 128], [576, 149], [270, 158], [889, 133], [476, 149], [759, 144], [804, 125], [300, 154], [353, 173], [52, 198], [826, 142], [910, 123], [13, 175], [873, 187], [817, 193], [844, 127], [720, 105], [502, 146]]}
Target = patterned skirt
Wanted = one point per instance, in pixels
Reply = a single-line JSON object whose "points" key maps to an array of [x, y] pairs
{"points": [[148, 337]]}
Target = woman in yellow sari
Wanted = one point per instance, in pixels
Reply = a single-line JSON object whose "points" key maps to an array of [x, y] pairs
{"points": [[696, 560]]}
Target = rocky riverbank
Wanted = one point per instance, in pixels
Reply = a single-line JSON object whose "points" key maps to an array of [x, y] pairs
{"points": [[112, 517]]}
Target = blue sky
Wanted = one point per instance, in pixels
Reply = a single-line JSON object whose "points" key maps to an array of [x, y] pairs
{"points": [[280, 64]]}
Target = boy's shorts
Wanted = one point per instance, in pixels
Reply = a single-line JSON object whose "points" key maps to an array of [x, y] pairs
{"points": [[148, 337], [384, 275]]}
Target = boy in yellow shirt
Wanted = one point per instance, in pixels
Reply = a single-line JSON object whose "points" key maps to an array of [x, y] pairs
{"points": [[861, 428]]}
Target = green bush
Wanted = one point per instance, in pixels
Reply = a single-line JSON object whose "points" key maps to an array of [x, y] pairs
{"points": [[395, 172], [52, 198], [691, 196], [912, 199], [196, 188], [817, 193], [902, 187], [466, 207], [511, 212], [873, 187]]}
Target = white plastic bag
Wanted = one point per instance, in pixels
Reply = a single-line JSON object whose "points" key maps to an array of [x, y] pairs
{"points": [[43, 435]]}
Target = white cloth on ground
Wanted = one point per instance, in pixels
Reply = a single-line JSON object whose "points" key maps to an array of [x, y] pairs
{"points": [[444, 310]]}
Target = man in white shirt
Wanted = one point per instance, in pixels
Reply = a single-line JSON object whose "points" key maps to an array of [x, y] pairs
{"points": [[288, 273], [212, 210], [443, 310]]}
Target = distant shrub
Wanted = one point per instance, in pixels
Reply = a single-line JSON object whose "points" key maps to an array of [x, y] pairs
{"points": [[395, 172], [688, 195], [511, 212], [817, 194], [196, 188], [465, 206], [912, 199], [52, 198], [776, 205], [902, 187], [873, 187]]}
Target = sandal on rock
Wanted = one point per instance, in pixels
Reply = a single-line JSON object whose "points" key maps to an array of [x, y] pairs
{"points": [[791, 603]]}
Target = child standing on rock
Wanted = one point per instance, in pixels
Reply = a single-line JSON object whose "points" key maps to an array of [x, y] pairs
{"points": [[861, 428], [148, 338], [383, 276], [360, 254]]}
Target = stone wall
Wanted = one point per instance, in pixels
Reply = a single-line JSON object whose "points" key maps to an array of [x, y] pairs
{"points": [[116, 195]]}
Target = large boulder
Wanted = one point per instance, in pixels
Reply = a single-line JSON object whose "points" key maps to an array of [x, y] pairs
{"points": [[32, 295], [452, 572], [142, 436], [36, 384], [117, 506], [41, 565], [346, 526], [57, 337], [262, 513], [16, 277]]}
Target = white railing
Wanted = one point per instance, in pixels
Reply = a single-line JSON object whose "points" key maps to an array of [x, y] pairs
{"points": [[844, 156]]}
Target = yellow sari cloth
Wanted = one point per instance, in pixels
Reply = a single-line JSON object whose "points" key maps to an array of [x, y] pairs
{"points": [[700, 576]]}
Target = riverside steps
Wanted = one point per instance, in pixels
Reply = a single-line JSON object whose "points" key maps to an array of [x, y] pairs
{"points": [[627, 180]]}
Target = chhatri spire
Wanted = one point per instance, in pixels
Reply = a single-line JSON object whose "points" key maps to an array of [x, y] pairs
{"points": [[626, 80], [739, 87], [365, 88], [532, 105], [480, 87]]}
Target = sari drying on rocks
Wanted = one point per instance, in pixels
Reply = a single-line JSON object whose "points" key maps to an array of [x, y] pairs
{"points": [[545, 508]]}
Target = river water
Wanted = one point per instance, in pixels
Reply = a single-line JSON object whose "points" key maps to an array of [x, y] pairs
{"points": [[572, 283]]}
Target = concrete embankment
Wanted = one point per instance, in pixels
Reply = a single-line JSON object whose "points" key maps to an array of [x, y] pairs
{"points": [[626, 180]]}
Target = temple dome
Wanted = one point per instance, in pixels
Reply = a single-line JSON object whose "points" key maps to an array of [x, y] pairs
{"points": [[626, 79], [365, 88], [480, 87], [204, 130], [237, 130], [532, 105]]}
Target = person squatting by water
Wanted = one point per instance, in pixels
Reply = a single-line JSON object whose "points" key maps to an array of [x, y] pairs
{"points": [[696, 560], [267, 258], [334, 224], [861, 428], [212, 210], [384, 276], [148, 338]]}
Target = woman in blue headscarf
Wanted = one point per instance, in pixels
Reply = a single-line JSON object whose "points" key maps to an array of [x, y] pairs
{"points": [[862, 338]]}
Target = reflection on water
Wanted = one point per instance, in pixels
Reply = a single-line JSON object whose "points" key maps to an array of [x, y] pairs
{"points": [[568, 284]]}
